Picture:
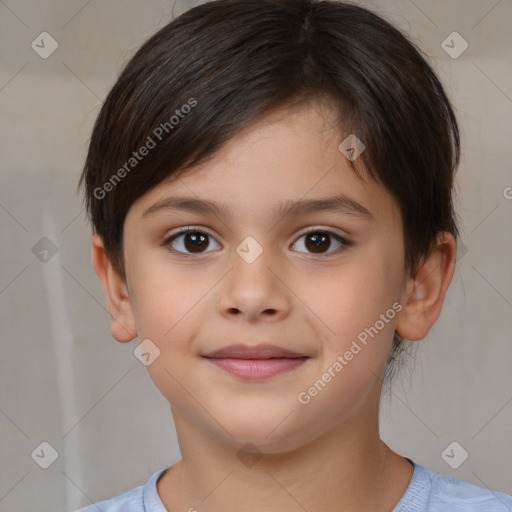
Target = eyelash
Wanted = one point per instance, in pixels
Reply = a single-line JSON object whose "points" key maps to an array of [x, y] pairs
{"points": [[192, 229]]}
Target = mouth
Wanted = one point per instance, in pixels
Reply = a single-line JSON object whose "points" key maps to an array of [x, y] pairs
{"points": [[255, 362]]}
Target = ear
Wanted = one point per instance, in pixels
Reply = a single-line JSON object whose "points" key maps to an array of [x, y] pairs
{"points": [[123, 327], [424, 293]]}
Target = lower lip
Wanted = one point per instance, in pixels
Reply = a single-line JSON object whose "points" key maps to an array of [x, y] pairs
{"points": [[256, 369]]}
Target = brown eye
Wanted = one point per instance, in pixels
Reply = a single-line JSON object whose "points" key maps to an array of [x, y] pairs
{"points": [[189, 241], [318, 242], [195, 242]]}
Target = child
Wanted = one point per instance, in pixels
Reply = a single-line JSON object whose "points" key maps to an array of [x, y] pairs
{"points": [[270, 187]]}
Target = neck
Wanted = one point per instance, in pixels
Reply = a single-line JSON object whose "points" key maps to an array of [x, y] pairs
{"points": [[346, 468]]}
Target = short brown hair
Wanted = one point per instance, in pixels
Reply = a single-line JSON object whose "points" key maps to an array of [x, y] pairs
{"points": [[214, 69]]}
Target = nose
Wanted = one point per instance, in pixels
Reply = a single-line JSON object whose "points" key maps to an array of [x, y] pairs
{"points": [[255, 289]]}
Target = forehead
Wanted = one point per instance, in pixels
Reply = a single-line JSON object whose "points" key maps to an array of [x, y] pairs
{"points": [[286, 156]]}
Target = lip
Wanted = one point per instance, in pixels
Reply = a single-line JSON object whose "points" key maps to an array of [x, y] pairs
{"points": [[255, 362], [261, 351], [257, 369]]}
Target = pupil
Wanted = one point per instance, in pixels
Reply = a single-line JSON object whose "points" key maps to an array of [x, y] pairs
{"points": [[198, 241], [317, 241]]}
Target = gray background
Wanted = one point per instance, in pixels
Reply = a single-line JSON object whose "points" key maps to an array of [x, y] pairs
{"points": [[65, 381]]}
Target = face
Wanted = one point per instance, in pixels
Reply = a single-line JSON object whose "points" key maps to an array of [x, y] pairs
{"points": [[325, 283]]}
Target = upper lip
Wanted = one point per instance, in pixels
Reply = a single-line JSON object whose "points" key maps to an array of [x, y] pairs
{"points": [[261, 351]]}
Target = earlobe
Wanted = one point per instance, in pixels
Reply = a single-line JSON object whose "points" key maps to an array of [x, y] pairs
{"points": [[119, 304], [425, 292]]}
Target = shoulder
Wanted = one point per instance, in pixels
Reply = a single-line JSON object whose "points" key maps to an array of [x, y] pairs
{"points": [[429, 492], [134, 500], [130, 501], [463, 496]]}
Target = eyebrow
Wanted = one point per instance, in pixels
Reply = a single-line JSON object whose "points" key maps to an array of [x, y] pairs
{"points": [[336, 204]]}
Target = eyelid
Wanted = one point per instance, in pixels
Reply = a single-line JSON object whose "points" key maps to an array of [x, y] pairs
{"points": [[302, 232], [314, 229], [186, 229], [168, 238]]}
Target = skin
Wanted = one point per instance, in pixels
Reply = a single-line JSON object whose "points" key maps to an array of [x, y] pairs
{"points": [[325, 455]]}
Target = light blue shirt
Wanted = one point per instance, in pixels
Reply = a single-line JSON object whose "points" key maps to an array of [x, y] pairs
{"points": [[427, 492]]}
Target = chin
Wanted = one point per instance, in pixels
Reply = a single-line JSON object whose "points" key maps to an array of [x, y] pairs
{"points": [[263, 434]]}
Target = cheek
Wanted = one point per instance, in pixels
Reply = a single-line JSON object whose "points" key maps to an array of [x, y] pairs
{"points": [[355, 342], [356, 309], [349, 298], [169, 308], [164, 294]]}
